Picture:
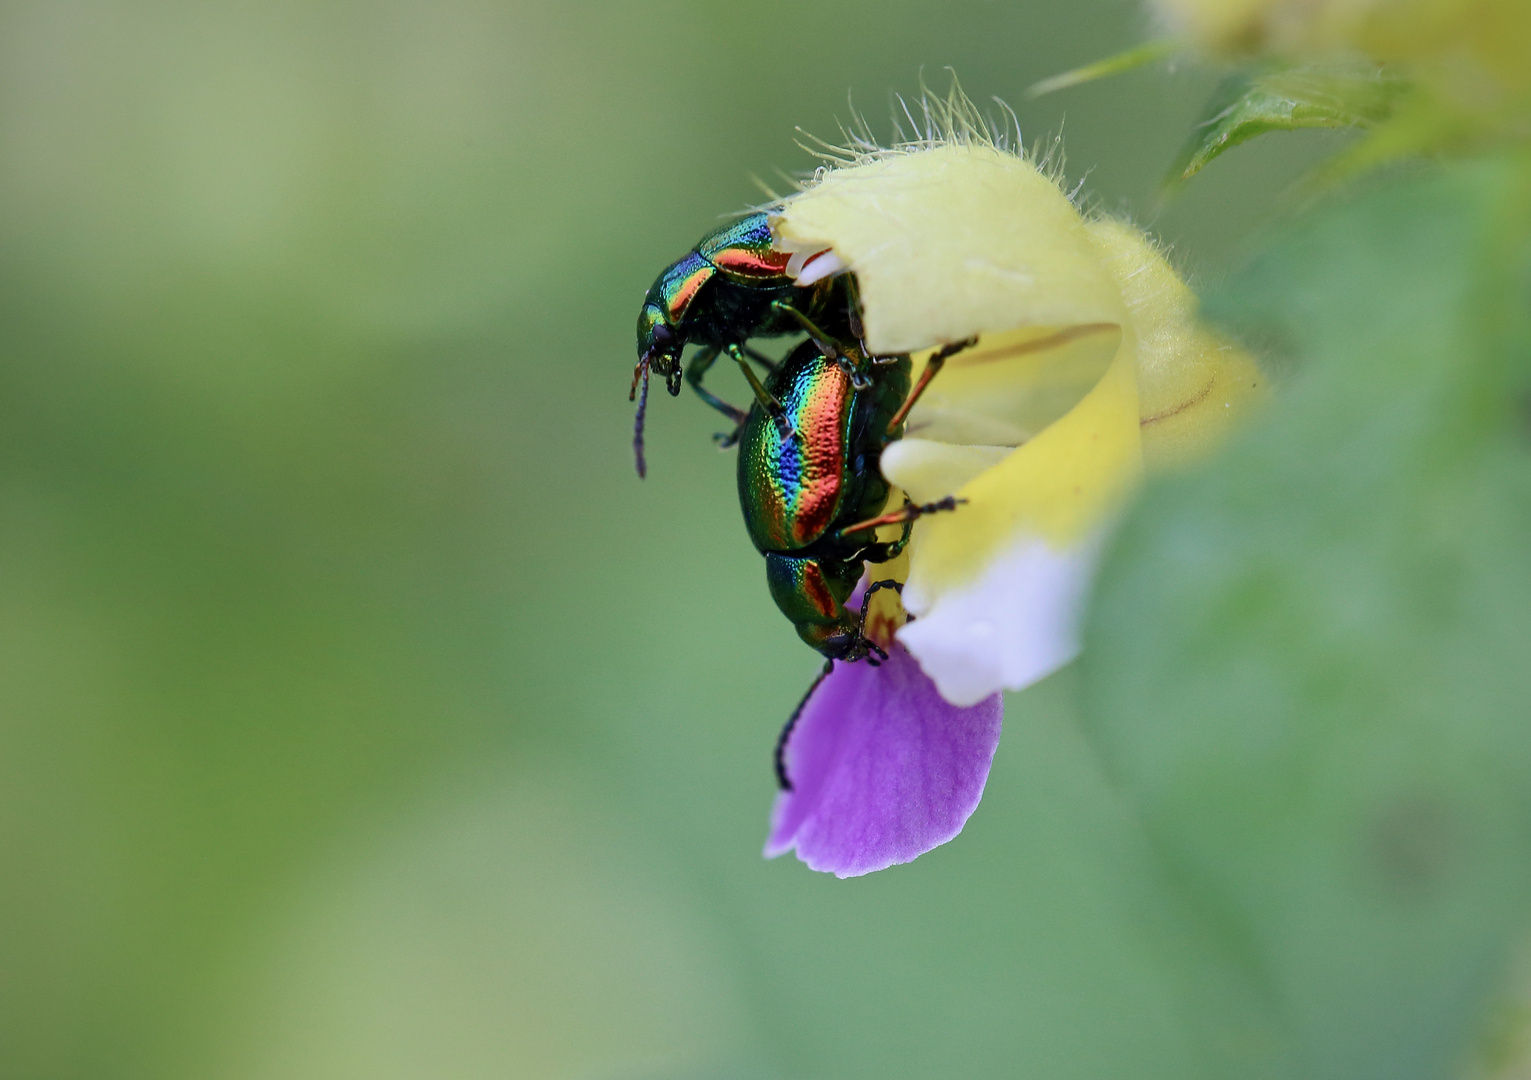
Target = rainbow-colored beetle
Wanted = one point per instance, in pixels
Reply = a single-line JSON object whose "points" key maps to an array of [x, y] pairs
{"points": [[813, 502], [809, 448], [736, 284]]}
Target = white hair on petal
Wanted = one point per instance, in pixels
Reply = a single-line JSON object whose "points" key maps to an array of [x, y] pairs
{"points": [[931, 121]]}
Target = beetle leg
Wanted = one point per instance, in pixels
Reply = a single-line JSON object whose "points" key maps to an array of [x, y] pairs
{"points": [[760, 358], [905, 516], [881, 552], [820, 338], [851, 362], [933, 368], [853, 309], [895, 549], [878, 586], [853, 317], [730, 440], [696, 369], [858, 329], [866, 606], [767, 402], [699, 365]]}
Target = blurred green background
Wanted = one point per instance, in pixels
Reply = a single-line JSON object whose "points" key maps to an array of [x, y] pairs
{"points": [[361, 713]]}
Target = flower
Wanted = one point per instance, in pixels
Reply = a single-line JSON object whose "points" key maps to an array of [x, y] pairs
{"points": [[1390, 30], [882, 767], [1467, 58], [1089, 364]]}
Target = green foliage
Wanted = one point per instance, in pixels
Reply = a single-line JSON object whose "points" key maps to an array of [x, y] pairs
{"points": [[1251, 103], [1307, 663], [361, 714], [1127, 60]]}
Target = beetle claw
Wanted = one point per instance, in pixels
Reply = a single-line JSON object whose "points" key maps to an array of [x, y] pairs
{"points": [[868, 650], [784, 427], [859, 379]]}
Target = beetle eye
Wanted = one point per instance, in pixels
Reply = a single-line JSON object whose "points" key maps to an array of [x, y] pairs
{"points": [[662, 336]]}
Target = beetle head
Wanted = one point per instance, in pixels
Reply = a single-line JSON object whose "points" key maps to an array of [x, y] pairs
{"points": [[659, 345], [659, 349]]}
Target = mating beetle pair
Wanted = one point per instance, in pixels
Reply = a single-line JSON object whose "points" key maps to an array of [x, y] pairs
{"points": [[809, 447]]}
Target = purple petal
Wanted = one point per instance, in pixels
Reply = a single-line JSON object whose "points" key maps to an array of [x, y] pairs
{"points": [[882, 768]]}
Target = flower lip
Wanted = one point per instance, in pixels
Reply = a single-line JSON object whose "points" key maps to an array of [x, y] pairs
{"points": [[883, 768]]}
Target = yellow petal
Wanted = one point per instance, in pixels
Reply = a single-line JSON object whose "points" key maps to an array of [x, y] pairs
{"points": [[1061, 487], [953, 241], [1189, 430], [929, 470], [1192, 386], [884, 614], [1009, 386]]}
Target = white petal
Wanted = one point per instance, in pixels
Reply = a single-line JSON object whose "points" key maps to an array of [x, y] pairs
{"points": [[825, 264], [1016, 624]]}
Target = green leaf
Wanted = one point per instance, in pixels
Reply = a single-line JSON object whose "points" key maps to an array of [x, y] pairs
{"points": [[1134, 57], [1307, 664], [1251, 103]]}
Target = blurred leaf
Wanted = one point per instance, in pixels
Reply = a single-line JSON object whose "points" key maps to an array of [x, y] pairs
{"points": [[1251, 103], [1134, 57], [514, 925], [1307, 665]]}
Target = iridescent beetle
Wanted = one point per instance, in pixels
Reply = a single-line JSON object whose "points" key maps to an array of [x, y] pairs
{"points": [[813, 503], [809, 448], [736, 284]]}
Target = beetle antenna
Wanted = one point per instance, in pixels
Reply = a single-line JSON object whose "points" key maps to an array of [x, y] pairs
{"points": [[780, 757], [641, 372]]}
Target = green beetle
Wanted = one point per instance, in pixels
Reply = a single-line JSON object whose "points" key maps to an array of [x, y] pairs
{"points": [[735, 285], [812, 503]]}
